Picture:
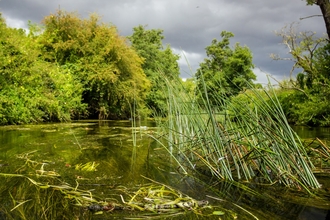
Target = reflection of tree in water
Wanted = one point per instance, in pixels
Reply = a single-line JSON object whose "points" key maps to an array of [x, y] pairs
{"points": [[111, 148], [114, 153], [264, 201]]}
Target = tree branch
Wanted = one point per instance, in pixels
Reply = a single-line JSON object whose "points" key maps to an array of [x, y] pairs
{"points": [[310, 17]]}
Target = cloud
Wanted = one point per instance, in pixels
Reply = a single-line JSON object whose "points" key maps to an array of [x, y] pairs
{"points": [[16, 23], [264, 78], [188, 62]]}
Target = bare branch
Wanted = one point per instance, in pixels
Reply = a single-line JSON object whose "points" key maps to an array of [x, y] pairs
{"points": [[293, 87], [310, 17]]}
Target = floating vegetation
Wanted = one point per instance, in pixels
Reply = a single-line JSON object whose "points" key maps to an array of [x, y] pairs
{"points": [[161, 198], [37, 192], [37, 183], [40, 197], [319, 153], [89, 166], [50, 198], [45, 172]]}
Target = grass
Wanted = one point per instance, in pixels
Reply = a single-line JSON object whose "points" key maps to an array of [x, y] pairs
{"points": [[236, 139]]}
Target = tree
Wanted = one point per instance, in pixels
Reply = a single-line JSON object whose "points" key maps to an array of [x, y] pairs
{"points": [[325, 9], [109, 69], [189, 86], [227, 70], [309, 102], [159, 63], [31, 89], [302, 46]]}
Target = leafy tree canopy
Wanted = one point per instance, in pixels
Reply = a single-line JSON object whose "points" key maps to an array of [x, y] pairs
{"points": [[32, 90], [109, 69], [159, 63], [309, 96], [226, 70]]}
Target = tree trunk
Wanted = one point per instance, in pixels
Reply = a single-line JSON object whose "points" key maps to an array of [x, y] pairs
{"points": [[325, 9]]}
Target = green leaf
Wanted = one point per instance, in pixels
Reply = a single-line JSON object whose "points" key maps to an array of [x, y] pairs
{"points": [[218, 213]]}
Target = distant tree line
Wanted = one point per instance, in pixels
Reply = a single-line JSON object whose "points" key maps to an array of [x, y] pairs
{"points": [[73, 68]]}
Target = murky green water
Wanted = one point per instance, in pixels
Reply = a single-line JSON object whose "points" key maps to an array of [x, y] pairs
{"points": [[48, 162]]}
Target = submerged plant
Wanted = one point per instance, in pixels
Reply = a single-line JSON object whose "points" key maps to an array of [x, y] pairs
{"points": [[89, 166], [236, 139], [28, 197], [33, 192]]}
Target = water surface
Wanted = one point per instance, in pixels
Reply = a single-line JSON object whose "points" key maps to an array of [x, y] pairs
{"points": [[126, 159]]}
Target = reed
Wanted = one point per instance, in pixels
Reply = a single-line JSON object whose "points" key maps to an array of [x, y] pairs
{"points": [[236, 139]]}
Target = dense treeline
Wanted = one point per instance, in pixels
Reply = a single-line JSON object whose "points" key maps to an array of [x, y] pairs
{"points": [[159, 63], [71, 68], [107, 68], [74, 68], [32, 89]]}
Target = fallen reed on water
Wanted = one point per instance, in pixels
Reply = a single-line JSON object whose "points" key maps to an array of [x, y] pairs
{"points": [[33, 192]]}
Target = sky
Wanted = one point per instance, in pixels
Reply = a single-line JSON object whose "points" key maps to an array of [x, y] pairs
{"points": [[190, 25]]}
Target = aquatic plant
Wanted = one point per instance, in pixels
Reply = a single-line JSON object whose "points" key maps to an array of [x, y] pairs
{"points": [[41, 197], [33, 197], [33, 192], [235, 139], [89, 166], [319, 152]]}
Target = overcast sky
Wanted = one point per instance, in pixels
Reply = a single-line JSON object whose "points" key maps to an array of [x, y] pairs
{"points": [[190, 25]]}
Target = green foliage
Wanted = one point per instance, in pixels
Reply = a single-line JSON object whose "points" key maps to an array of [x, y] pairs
{"points": [[158, 62], [258, 145], [310, 2], [322, 64], [32, 90], [304, 109], [189, 86], [109, 70], [309, 95], [226, 70], [73, 65]]}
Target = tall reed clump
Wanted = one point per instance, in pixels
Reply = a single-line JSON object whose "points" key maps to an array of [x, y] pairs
{"points": [[236, 139]]}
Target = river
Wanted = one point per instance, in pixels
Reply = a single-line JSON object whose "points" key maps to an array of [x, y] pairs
{"points": [[55, 171]]}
